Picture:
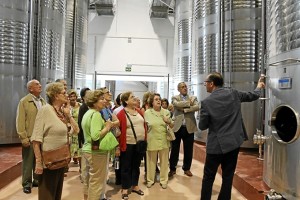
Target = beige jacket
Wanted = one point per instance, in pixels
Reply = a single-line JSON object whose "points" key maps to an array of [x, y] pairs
{"points": [[26, 113], [185, 110]]}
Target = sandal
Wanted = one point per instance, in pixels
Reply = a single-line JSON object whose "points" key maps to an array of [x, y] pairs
{"points": [[139, 192], [125, 196]]}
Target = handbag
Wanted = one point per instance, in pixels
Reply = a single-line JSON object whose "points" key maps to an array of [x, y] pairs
{"points": [[170, 134], [116, 131], [109, 142], [57, 158], [141, 145]]}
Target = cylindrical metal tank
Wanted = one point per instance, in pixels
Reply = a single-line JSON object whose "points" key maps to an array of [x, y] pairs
{"points": [[80, 41], [51, 40], [242, 55], [229, 40], [207, 47], [183, 40], [282, 128], [14, 40], [76, 43]]}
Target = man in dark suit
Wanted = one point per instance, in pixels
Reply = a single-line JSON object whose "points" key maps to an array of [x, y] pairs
{"points": [[221, 114], [185, 126]]}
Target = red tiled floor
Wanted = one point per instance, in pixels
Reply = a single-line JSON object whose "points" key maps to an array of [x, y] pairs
{"points": [[10, 163]]}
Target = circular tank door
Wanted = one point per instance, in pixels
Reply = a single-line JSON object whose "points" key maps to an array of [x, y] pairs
{"points": [[285, 124]]}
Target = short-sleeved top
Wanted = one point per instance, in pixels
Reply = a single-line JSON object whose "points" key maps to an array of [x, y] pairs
{"points": [[92, 123], [49, 129], [157, 129]]}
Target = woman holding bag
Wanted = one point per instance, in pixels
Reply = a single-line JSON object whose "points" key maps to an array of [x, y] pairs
{"points": [[157, 120], [133, 129], [52, 125], [95, 129]]}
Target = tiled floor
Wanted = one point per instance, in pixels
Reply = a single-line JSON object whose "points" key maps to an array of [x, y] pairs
{"points": [[180, 187]]}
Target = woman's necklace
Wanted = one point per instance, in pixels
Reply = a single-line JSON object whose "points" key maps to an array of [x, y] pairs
{"points": [[60, 115]]}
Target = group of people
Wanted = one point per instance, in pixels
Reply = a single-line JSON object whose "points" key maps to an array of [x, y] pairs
{"points": [[44, 126]]}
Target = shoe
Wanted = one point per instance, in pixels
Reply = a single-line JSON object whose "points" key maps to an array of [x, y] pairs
{"points": [[164, 186], [27, 190], [125, 196], [149, 185], [188, 173], [139, 192], [171, 173], [35, 183], [118, 182]]}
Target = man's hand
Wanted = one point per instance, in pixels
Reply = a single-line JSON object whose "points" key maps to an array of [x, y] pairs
{"points": [[26, 142], [261, 81], [38, 168]]}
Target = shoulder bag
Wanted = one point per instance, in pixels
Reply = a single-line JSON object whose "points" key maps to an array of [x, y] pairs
{"points": [[170, 134]]}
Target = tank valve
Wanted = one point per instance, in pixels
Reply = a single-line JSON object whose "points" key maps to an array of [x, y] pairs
{"points": [[274, 195], [259, 139]]}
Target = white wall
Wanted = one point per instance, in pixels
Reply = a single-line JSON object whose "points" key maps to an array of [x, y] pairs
{"points": [[150, 51]]}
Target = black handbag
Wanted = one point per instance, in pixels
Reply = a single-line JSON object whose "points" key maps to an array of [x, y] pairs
{"points": [[141, 145]]}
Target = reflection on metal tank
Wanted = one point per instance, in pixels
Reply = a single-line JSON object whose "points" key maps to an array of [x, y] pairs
{"points": [[80, 40], [69, 33], [184, 40], [76, 42], [236, 26], [14, 31], [282, 128], [51, 41]]}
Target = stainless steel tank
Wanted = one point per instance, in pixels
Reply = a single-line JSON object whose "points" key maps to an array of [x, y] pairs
{"points": [[229, 40], [14, 39], [76, 42], [207, 47], [51, 40], [80, 40], [183, 39], [282, 128]]}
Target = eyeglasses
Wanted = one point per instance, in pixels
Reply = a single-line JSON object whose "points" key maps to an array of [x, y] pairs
{"points": [[205, 82]]}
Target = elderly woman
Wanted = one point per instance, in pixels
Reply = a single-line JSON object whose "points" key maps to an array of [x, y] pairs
{"points": [[108, 115], [75, 153], [130, 158], [157, 119], [94, 128], [53, 123]]}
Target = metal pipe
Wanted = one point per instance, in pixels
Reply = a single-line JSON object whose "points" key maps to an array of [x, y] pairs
{"points": [[168, 86], [74, 45], [38, 48], [30, 41], [230, 46], [95, 86], [221, 28]]}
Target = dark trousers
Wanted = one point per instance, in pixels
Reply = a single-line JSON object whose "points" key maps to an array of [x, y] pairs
{"points": [[228, 164], [130, 167], [188, 145], [51, 184], [28, 165]]}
